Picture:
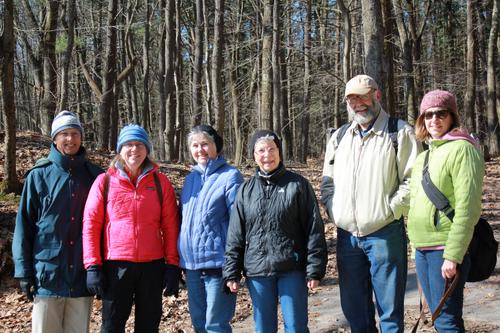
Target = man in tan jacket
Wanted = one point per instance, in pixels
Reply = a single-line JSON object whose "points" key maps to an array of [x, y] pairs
{"points": [[365, 188]]}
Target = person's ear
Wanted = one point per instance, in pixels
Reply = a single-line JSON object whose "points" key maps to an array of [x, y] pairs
{"points": [[378, 95]]}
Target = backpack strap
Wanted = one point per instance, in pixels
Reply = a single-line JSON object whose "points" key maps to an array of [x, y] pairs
{"points": [[342, 131], [392, 129], [158, 188]]}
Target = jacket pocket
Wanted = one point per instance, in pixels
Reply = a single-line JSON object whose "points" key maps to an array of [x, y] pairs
{"points": [[47, 267]]}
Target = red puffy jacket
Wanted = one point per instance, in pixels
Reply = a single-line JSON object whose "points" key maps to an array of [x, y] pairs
{"points": [[134, 229]]}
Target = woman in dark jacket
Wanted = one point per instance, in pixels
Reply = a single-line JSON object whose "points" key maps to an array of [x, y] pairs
{"points": [[275, 239]]}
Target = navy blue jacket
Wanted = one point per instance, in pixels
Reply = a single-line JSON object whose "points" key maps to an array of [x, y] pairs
{"points": [[47, 242], [206, 201]]}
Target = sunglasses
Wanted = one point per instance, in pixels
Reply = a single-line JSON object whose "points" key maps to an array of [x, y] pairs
{"points": [[441, 114]]}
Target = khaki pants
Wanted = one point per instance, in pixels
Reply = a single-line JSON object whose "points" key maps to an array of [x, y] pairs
{"points": [[61, 314]]}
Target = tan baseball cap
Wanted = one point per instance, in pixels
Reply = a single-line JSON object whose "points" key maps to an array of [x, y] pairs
{"points": [[360, 85]]}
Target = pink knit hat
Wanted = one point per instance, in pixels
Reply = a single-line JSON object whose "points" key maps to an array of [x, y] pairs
{"points": [[440, 99]]}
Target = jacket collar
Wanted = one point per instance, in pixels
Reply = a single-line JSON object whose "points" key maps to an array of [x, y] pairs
{"points": [[271, 177], [212, 166], [66, 162]]}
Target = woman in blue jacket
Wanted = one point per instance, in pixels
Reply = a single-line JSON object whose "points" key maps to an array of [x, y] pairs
{"points": [[207, 198]]}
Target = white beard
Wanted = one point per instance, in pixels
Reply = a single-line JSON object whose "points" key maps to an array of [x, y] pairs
{"points": [[366, 116]]}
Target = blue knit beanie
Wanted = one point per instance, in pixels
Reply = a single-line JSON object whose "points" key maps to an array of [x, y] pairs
{"points": [[133, 132], [64, 120]]}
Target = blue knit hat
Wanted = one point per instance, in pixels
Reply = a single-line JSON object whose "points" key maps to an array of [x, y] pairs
{"points": [[64, 120], [133, 132]]}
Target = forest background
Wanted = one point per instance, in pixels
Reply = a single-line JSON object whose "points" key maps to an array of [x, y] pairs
{"points": [[239, 65]]}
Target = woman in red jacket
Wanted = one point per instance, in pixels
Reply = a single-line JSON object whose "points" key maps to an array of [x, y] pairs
{"points": [[130, 230]]}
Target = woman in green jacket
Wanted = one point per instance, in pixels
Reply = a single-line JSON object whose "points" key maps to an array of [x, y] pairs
{"points": [[456, 168]]}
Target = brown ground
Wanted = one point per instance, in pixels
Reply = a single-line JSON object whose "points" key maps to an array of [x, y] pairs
{"points": [[15, 311]]}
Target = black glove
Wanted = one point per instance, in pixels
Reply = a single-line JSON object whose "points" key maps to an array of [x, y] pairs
{"points": [[28, 287], [95, 280], [171, 280]]}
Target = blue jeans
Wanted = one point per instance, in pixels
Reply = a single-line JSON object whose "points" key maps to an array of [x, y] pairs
{"points": [[210, 308], [429, 275], [373, 264], [291, 288]]}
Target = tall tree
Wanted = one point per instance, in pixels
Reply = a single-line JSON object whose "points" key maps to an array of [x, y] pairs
{"points": [[305, 117], [217, 73], [69, 24], [7, 43], [48, 50], [276, 69], [407, 66], [491, 113], [170, 55], [197, 63], [373, 35], [109, 78], [470, 90], [266, 104]]}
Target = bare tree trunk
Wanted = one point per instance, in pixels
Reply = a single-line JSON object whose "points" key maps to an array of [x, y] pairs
{"points": [[161, 86], [66, 62], [389, 88], [406, 49], [179, 90], [145, 67], [492, 117], [304, 128], [218, 47], [346, 54], [470, 91], [206, 67], [170, 53], [109, 78], [197, 64], [266, 102], [48, 47], [276, 69], [373, 33], [7, 43]]}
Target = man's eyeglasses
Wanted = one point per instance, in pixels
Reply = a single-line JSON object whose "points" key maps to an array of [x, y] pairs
{"points": [[441, 114], [354, 98]]}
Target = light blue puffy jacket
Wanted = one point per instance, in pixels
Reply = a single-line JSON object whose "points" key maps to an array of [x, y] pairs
{"points": [[206, 202]]}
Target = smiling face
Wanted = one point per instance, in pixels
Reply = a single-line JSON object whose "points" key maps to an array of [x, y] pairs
{"points": [[133, 153], [363, 108], [267, 155], [437, 123], [202, 148], [68, 141]]}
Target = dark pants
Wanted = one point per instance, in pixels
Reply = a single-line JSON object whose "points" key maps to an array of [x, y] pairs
{"points": [[128, 283]]}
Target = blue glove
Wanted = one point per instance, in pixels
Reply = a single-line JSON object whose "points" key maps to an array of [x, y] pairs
{"points": [[95, 280], [28, 287], [171, 280]]}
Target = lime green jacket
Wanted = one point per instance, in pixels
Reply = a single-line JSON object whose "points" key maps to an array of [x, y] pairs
{"points": [[456, 169]]}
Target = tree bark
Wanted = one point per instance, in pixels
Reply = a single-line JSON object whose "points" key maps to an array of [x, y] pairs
{"points": [[346, 54], [7, 41], [276, 69], [66, 62], [470, 91], [170, 52], [106, 106], [493, 131], [373, 35], [266, 101], [197, 64], [48, 51], [217, 73], [305, 118]]}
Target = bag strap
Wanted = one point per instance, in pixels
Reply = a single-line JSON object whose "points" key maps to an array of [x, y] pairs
{"points": [[449, 287], [158, 188], [433, 193]]}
